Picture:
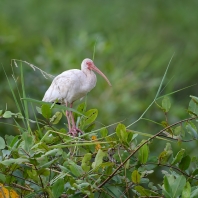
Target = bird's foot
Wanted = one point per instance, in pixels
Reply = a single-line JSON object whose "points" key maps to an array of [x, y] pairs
{"points": [[75, 131]]}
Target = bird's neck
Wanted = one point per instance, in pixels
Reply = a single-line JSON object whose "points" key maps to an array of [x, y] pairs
{"points": [[90, 79]]}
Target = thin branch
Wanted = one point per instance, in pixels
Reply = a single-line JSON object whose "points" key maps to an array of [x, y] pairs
{"points": [[135, 151], [22, 187]]}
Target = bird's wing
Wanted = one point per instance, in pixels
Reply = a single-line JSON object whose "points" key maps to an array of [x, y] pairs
{"points": [[64, 86]]}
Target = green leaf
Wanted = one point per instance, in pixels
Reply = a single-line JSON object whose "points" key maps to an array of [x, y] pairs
{"points": [[75, 169], [178, 157], [186, 191], [46, 111], [58, 188], [166, 188], [13, 161], [121, 132], [53, 152], [81, 109], [195, 99], [86, 162], [2, 143], [166, 104], [98, 159], [192, 129], [178, 130], [145, 192], [7, 114], [193, 108], [104, 132], [56, 118], [143, 153], [28, 141], [91, 115], [185, 162], [135, 177], [39, 110], [194, 193], [165, 155], [178, 185]]}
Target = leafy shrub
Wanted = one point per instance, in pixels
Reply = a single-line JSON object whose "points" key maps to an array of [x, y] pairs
{"points": [[44, 161]]}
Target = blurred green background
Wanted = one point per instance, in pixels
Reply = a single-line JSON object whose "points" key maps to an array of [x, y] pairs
{"points": [[135, 41]]}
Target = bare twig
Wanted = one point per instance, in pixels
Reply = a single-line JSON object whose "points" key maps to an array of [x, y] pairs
{"points": [[22, 187]]}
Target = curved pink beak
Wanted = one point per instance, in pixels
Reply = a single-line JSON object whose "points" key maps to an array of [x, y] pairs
{"points": [[94, 68]]}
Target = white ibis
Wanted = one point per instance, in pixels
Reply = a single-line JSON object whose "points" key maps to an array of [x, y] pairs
{"points": [[72, 85]]}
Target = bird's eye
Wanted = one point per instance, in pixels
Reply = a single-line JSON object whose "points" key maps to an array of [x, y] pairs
{"points": [[88, 64]]}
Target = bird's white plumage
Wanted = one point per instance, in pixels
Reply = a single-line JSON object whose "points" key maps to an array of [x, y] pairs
{"points": [[71, 85]]}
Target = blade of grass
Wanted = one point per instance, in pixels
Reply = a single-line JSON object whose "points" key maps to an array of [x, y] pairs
{"points": [[176, 91], [14, 96], [163, 78], [157, 94], [25, 102], [148, 135]]}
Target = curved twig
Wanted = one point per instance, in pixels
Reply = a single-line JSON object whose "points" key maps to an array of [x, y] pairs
{"points": [[135, 151]]}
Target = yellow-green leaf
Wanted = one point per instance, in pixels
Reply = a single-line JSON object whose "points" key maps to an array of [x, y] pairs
{"points": [[135, 177], [166, 104]]}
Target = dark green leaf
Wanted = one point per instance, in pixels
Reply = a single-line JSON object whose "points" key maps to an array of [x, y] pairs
{"points": [[46, 111], [178, 157], [185, 162], [135, 177], [166, 104]]}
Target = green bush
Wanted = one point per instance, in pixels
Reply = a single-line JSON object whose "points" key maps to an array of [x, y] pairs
{"points": [[44, 161]]}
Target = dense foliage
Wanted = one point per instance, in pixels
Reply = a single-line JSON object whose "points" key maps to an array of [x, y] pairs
{"points": [[44, 161], [120, 154]]}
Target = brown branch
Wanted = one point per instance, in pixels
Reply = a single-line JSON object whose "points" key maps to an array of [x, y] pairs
{"points": [[21, 187], [135, 151]]}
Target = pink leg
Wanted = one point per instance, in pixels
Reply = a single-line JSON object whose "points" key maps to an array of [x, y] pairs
{"points": [[68, 119], [74, 130], [72, 117]]}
